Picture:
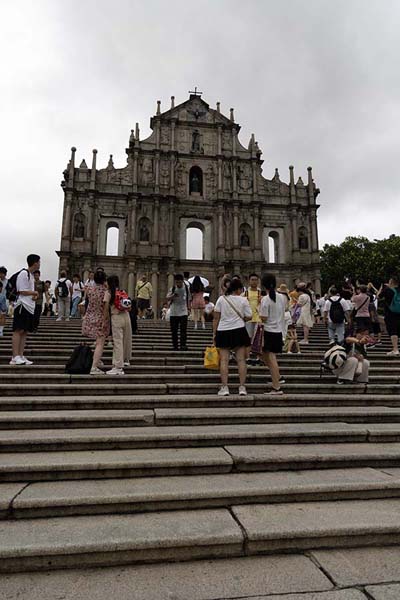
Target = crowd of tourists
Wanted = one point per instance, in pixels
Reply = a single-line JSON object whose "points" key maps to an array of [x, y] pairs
{"points": [[251, 325]]}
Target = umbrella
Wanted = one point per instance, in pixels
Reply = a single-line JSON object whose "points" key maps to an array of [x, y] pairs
{"points": [[204, 281]]}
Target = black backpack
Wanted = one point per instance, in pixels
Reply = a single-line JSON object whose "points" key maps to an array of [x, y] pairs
{"points": [[63, 290], [80, 361], [336, 312], [11, 287]]}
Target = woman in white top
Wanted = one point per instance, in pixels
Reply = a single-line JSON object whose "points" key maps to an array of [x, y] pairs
{"points": [[306, 318], [231, 311], [272, 313]]}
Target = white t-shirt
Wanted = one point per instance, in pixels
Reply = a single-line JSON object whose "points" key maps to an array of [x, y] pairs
{"points": [[275, 313], [77, 289], [344, 304], [320, 304], [209, 307], [25, 283], [229, 319], [89, 283]]}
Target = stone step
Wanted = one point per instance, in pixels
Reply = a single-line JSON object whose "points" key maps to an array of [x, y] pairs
{"points": [[148, 494], [194, 416], [196, 435], [103, 401], [105, 540], [101, 464], [102, 386], [151, 462]]}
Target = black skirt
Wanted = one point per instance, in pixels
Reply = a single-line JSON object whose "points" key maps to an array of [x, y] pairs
{"points": [[232, 338], [273, 342]]}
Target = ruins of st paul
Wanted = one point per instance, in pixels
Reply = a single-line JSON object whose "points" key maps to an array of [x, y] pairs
{"points": [[192, 172]]}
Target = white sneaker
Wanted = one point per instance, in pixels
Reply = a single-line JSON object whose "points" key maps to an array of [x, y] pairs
{"points": [[304, 342], [242, 390], [96, 371], [109, 345], [393, 353], [223, 391], [26, 360], [17, 360], [59, 319], [204, 325], [127, 364], [115, 371], [275, 392]]}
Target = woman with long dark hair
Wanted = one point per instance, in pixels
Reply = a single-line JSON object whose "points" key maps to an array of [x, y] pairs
{"points": [[120, 326], [198, 304], [306, 319], [230, 315], [272, 313], [96, 323]]}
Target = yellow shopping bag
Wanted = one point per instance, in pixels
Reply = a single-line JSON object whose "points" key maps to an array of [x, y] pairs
{"points": [[211, 358]]}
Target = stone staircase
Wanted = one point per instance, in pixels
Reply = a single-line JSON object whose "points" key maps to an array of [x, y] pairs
{"points": [[155, 467]]}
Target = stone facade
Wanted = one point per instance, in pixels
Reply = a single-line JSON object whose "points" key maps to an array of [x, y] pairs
{"points": [[191, 172]]}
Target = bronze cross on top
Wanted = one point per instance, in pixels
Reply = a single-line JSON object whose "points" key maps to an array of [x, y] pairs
{"points": [[195, 93]]}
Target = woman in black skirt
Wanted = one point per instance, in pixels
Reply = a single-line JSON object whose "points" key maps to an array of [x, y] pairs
{"points": [[230, 314]]}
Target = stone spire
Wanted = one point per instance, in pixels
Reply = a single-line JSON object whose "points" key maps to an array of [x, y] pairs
{"points": [[93, 171], [137, 132], [158, 107], [232, 116], [218, 107], [172, 101], [72, 167]]}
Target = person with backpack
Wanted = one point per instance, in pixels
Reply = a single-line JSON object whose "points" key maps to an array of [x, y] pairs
{"points": [[390, 293], [63, 291], [143, 295], [76, 294], [96, 322], [117, 303], [21, 291], [336, 314], [179, 299]]}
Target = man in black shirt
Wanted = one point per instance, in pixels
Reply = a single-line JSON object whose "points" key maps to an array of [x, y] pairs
{"points": [[390, 293]]}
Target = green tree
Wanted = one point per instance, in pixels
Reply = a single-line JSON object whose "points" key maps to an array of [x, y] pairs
{"points": [[360, 258]]}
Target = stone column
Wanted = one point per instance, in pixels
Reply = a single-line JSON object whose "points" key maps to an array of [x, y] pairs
{"points": [[157, 170], [173, 125], [156, 217], [236, 226], [220, 174], [66, 224], [314, 230], [132, 230], [135, 171], [294, 228], [154, 283]]}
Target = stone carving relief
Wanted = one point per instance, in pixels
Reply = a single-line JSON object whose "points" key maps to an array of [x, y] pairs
{"points": [[164, 138], [180, 179], [226, 140], [196, 142], [227, 177], [245, 178], [79, 225], [211, 180], [147, 172], [164, 173], [209, 143]]}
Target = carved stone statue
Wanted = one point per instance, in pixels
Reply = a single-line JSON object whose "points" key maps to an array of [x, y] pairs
{"points": [[196, 141], [79, 225], [144, 233], [147, 171], [244, 240], [227, 177], [303, 239], [164, 173], [195, 183], [132, 138]]}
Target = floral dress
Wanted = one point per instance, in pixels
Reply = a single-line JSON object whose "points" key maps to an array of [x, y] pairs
{"points": [[94, 324]]}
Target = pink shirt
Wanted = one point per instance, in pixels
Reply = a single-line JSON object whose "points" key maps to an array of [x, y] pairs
{"points": [[361, 300]]}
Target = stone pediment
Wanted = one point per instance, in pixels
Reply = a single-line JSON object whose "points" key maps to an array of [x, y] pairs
{"points": [[195, 110]]}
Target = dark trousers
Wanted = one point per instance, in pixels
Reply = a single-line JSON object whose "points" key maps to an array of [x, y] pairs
{"points": [[177, 323], [38, 312]]}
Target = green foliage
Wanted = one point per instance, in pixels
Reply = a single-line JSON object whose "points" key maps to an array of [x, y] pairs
{"points": [[358, 257]]}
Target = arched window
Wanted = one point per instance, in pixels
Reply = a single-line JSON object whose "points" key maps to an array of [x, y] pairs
{"points": [[79, 225], [144, 230], [194, 243], [273, 247], [196, 181], [112, 239], [303, 238]]}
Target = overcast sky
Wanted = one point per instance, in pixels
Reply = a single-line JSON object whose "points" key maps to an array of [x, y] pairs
{"points": [[317, 81]]}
